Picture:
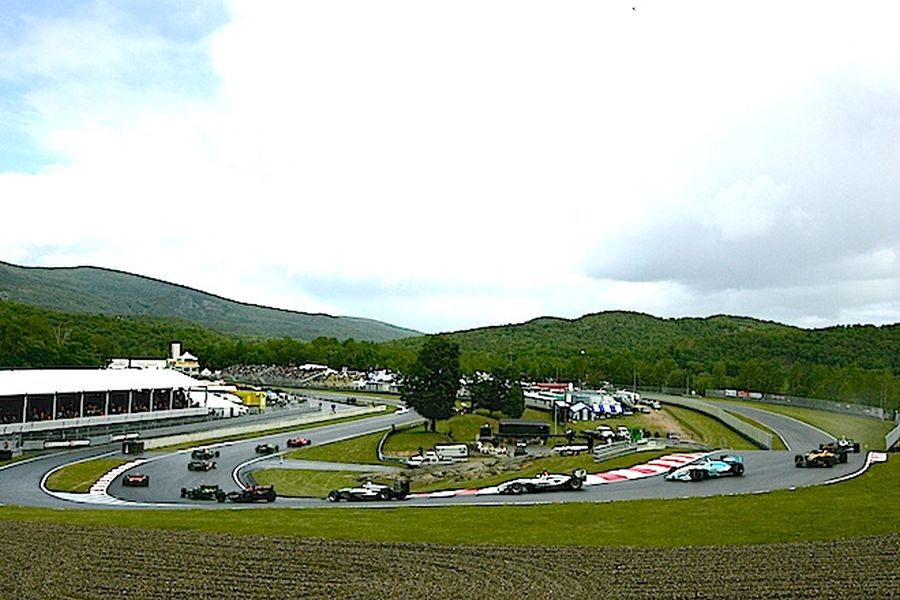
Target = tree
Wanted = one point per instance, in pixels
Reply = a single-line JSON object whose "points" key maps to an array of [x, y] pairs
{"points": [[432, 381], [514, 406]]}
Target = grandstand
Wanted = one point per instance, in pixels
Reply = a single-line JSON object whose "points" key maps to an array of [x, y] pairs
{"points": [[38, 406]]}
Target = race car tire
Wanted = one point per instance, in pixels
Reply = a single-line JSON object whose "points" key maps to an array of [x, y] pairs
{"points": [[220, 496], [384, 495], [738, 469], [517, 488], [146, 482], [183, 492], [270, 497], [799, 461], [575, 483], [696, 475], [216, 454], [842, 457], [333, 496]]}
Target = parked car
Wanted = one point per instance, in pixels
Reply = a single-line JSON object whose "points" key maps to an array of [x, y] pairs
{"points": [[544, 482], [267, 448], [204, 454], [136, 480], [298, 442], [402, 410], [256, 493], [204, 492], [707, 467], [371, 491], [201, 465]]}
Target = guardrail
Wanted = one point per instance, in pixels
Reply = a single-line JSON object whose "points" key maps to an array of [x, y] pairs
{"points": [[387, 434], [761, 438]]}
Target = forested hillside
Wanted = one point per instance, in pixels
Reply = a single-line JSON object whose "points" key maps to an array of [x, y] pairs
{"points": [[94, 290], [850, 364]]}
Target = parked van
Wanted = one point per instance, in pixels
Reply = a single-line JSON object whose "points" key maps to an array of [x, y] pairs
{"points": [[454, 451]]}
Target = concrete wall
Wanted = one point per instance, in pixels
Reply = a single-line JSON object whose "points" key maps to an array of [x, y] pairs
{"points": [[200, 436], [892, 437]]}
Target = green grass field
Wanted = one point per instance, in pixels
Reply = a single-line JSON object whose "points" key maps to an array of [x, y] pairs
{"points": [[708, 430], [867, 505], [79, 477], [361, 450], [305, 483]]}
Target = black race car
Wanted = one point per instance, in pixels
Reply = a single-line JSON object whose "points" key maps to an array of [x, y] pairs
{"points": [[201, 465], [204, 454], [204, 492], [544, 482], [136, 480], [267, 449], [371, 491], [256, 493]]}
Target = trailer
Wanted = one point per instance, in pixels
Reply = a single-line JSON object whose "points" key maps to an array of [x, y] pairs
{"points": [[521, 428]]}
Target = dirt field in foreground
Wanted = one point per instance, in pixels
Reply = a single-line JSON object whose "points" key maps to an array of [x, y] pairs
{"points": [[58, 561]]}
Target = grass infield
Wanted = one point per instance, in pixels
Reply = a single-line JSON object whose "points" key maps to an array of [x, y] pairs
{"points": [[79, 477]]}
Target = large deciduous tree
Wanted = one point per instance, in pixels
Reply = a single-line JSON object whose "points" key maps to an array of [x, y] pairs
{"points": [[431, 383], [500, 391]]}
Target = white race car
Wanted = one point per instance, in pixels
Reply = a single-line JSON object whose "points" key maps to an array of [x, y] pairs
{"points": [[371, 491], [544, 482]]}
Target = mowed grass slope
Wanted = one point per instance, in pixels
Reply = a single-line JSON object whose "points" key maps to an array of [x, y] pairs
{"points": [[79, 477], [865, 506]]}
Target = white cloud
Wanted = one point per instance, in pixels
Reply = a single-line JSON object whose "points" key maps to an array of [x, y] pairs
{"points": [[451, 166]]}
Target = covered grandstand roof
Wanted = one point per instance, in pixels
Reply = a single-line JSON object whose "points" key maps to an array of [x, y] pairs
{"points": [[18, 382]]}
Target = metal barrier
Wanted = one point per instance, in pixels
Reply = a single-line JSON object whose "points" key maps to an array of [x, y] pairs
{"points": [[761, 438], [847, 408]]}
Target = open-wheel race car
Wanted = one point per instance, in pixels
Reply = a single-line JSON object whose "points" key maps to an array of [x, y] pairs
{"points": [[267, 448], [204, 492], [255, 493], [136, 480], [204, 454], [201, 465], [399, 490], [828, 454], [544, 482], [708, 467], [298, 442]]}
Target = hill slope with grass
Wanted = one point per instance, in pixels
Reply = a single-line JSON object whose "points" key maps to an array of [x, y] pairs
{"points": [[94, 290]]}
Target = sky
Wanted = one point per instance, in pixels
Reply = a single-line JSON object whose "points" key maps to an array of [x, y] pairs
{"points": [[449, 165]]}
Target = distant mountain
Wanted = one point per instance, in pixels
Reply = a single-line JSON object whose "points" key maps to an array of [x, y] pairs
{"points": [[94, 290]]}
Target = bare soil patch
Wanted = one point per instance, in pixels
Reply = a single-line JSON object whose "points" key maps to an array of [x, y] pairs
{"points": [[61, 561]]}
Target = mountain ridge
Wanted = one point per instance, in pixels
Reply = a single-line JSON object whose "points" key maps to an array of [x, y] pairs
{"points": [[89, 289]]}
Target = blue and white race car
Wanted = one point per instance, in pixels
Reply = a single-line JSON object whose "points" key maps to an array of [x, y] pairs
{"points": [[706, 467]]}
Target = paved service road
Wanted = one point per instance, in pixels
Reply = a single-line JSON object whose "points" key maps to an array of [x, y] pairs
{"points": [[765, 471]]}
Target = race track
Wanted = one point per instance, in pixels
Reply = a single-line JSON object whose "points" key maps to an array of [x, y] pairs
{"points": [[20, 483]]}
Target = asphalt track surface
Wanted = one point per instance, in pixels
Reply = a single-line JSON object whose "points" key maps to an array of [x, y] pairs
{"points": [[20, 483]]}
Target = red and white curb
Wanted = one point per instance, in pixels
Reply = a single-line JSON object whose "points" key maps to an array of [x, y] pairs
{"points": [[657, 466], [99, 492]]}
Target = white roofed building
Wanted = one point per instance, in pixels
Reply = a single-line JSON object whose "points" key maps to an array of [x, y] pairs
{"points": [[45, 403]]}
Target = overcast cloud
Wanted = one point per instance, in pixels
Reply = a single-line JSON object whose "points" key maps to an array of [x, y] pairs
{"points": [[442, 166]]}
